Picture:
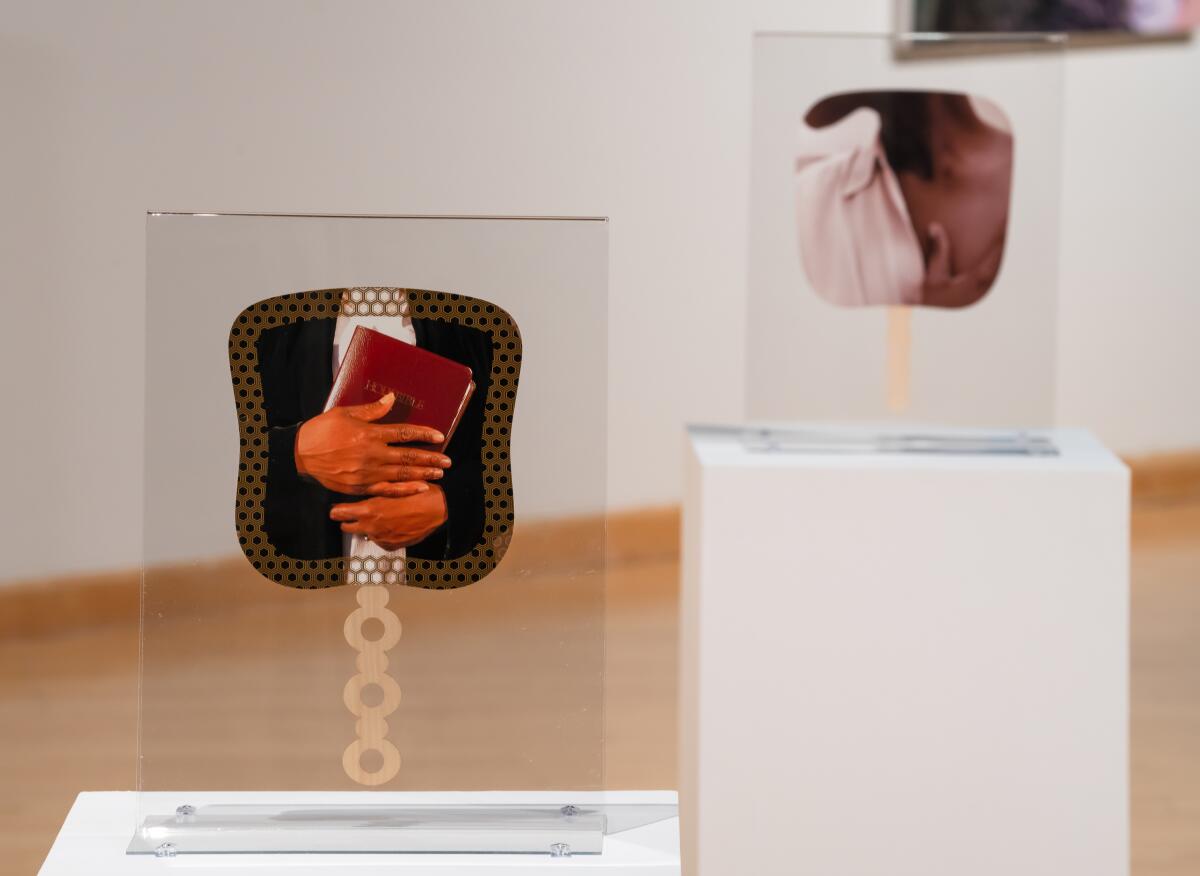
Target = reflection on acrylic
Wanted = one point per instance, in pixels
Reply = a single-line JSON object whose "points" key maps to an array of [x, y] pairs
{"points": [[902, 197]]}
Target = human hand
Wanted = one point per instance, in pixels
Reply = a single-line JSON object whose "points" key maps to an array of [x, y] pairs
{"points": [[942, 287], [346, 451], [394, 522]]}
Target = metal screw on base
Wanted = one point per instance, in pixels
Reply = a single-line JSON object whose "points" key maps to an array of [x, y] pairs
{"points": [[185, 812], [570, 809], [166, 850], [560, 850]]}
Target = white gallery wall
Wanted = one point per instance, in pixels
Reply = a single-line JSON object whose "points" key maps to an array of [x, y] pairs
{"points": [[637, 110]]}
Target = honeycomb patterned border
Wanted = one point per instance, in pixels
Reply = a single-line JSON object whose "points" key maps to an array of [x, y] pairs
{"points": [[497, 428]]}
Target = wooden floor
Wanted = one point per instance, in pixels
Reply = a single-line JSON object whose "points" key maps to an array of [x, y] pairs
{"points": [[68, 700]]}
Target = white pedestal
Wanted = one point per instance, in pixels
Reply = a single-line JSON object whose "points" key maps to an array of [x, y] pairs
{"points": [[98, 829], [905, 665]]}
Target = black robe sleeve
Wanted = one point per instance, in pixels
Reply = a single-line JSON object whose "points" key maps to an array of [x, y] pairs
{"points": [[295, 366]]}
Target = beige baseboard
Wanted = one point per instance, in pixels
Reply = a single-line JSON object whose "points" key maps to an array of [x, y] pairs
{"points": [[60, 604], [1166, 476], [56, 605]]}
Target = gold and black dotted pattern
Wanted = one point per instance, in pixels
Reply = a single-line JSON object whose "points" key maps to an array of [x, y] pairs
{"points": [[497, 429]]}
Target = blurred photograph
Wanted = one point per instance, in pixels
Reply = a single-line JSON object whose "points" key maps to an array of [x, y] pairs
{"points": [[902, 197], [1034, 16]]}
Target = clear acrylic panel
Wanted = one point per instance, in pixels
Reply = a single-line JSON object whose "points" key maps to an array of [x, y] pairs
{"points": [[904, 226], [456, 650]]}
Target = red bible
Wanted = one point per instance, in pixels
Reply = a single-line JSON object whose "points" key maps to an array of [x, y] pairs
{"points": [[431, 390]]}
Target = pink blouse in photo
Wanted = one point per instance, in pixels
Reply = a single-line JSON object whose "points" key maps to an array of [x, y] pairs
{"points": [[857, 242]]}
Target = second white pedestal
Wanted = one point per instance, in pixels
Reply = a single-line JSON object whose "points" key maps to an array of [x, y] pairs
{"points": [[904, 665]]}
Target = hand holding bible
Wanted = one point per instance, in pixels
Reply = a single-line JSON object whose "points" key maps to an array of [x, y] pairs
{"points": [[346, 451], [393, 523]]}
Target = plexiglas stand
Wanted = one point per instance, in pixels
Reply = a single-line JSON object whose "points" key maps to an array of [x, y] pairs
{"points": [[821, 345], [277, 687], [558, 830], [865, 440], [95, 835]]}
